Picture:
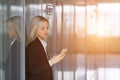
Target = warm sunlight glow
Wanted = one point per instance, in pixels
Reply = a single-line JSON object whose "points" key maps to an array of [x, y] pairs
{"points": [[108, 20], [103, 19], [100, 27], [108, 74]]}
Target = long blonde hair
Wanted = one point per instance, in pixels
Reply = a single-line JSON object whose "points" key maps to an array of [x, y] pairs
{"points": [[34, 26], [15, 23]]}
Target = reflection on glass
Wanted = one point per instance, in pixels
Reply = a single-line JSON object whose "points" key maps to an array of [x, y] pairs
{"points": [[12, 64]]}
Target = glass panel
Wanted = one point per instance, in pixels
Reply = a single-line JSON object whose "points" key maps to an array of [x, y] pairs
{"points": [[87, 30], [90, 30], [91, 36], [12, 40], [108, 19]]}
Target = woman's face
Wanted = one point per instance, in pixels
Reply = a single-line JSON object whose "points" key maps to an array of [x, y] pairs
{"points": [[43, 30], [11, 31]]}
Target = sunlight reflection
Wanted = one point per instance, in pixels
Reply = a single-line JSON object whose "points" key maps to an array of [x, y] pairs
{"points": [[108, 74], [108, 19], [100, 74], [102, 19]]}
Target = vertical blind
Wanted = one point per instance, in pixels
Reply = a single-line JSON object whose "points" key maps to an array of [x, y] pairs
{"points": [[90, 30]]}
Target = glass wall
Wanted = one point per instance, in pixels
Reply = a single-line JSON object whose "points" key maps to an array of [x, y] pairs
{"points": [[89, 29], [91, 32], [12, 40]]}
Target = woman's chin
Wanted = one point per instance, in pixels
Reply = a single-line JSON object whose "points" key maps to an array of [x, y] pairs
{"points": [[44, 38]]}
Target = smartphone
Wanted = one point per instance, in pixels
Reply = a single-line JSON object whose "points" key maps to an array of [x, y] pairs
{"points": [[64, 50]]}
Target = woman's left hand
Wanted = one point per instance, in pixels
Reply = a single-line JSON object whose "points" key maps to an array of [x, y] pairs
{"points": [[58, 57]]}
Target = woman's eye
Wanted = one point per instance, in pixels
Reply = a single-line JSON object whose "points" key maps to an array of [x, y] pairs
{"points": [[47, 27], [43, 28]]}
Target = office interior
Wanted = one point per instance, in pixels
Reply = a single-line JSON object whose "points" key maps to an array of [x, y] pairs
{"points": [[89, 29]]}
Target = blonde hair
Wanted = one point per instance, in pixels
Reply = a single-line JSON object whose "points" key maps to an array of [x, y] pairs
{"points": [[34, 26], [15, 23]]}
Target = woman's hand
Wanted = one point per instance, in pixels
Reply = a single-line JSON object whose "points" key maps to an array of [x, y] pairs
{"points": [[58, 57]]}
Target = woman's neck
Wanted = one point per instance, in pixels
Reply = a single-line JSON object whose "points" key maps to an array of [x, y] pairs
{"points": [[41, 38]]}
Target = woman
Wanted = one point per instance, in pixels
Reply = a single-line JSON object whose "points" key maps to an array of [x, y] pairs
{"points": [[38, 65], [12, 65]]}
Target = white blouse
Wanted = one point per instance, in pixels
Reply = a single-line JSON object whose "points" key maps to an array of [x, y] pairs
{"points": [[44, 46]]}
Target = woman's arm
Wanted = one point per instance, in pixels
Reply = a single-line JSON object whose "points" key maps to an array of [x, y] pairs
{"points": [[58, 57]]}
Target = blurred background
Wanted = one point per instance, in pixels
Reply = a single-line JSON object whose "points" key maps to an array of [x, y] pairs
{"points": [[89, 29]]}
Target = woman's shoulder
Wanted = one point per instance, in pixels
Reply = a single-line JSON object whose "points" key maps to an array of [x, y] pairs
{"points": [[33, 43]]}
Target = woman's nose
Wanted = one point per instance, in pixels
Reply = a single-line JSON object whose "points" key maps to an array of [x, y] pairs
{"points": [[46, 30]]}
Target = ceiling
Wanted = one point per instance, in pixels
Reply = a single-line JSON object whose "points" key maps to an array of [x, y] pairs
{"points": [[58, 2], [78, 2]]}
